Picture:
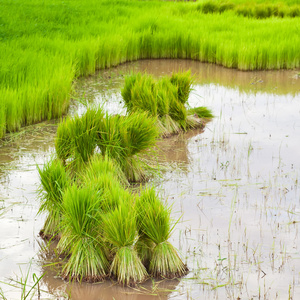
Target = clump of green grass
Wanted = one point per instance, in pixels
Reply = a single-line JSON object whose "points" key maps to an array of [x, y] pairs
{"points": [[100, 165], [120, 231], [164, 99], [123, 139], [201, 112], [54, 181], [82, 235], [155, 224], [76, 138]]}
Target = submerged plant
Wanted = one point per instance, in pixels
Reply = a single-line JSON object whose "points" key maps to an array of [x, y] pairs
{"points": [[154, 223], [82, 235], [54, 181], [120, 231]]}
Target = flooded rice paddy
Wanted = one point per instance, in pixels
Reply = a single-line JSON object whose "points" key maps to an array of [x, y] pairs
{"points": [[235, 186]]}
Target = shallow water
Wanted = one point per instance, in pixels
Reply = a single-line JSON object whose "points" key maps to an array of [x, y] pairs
{"points": [[236, 186]]}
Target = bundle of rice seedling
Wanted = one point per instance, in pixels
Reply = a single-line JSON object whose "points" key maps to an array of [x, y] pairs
{"points": [[120, 231], [63, 140], [164, 99], [76, 138], [126, 91], [82, 235], [99, 165], [183, 82], [124, 138], [54, 181], [139, 93], [109, 186], [154, 223], [84, 133]]}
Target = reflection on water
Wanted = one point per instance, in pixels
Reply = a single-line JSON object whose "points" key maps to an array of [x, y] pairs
{"points": [[235, 186]]}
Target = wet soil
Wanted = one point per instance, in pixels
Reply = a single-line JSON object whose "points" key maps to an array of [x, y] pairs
{"points": [[235, 186]]}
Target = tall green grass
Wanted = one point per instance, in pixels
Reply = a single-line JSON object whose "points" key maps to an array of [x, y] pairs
{"points": [[81, 235], [155, 225], [123, 139], [165, 99], [54, 181], [121, 232], [44, 46]]}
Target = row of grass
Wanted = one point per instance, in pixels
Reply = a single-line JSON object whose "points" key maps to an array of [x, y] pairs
{"points": [[44, 46], [250, 9]]}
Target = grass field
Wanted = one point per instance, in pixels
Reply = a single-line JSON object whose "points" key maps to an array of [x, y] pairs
{"points": [[45, 45]]}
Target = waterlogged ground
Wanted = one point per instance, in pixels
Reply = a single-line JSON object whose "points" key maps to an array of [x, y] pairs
{"points": [[235, 186]]}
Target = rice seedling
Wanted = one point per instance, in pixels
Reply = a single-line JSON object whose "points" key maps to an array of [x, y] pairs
{"points": [[76, 138], [201, 112], [154, 223], [123, 138], [120, 231], [54, 181], [109, 186], [183, 81], [100, 165], [164, 99], [82, 235]]}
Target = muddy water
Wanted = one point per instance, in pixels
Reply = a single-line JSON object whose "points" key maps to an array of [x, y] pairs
{"points": [[236, 186]]}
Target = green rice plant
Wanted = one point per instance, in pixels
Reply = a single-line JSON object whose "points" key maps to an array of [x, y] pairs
{"points": [[84, 132], [81, 238], [139, 93], [127, 88], [154, 223], [163, 99], [201, 112], [63, 140], [294, 11], [144, 247], [99, 165], [224, 6], [108, 185], [123, 139], [2, 119], [209, 7], [244, 10], [183, 81], [76, 138], [54, 181], [178, 113], [120, 231], [45, 47]]}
